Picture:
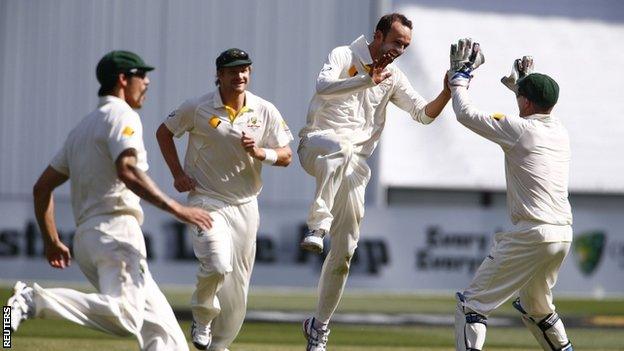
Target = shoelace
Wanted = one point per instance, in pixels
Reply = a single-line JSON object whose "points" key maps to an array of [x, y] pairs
{"points": [[318, 336]]}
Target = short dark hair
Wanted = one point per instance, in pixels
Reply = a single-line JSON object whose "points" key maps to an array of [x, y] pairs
{"points": [[385, 22], [107, 87]]}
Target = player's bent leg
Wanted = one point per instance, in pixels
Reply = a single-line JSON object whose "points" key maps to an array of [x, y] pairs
{"points": [[233, 293], [548, 330], [325, 156], [470, 327], [213, 249]]}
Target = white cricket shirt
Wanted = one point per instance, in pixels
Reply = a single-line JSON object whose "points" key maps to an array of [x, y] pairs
{"points": [[537, 160], [215, 157], [88, 158], [348, 101]]}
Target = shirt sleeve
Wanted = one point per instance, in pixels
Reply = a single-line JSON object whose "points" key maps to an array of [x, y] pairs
{"points": [[182, 119], [407, 99], [499, 128], [126, 133], [329, 82], [277, 133], [60, 161]]}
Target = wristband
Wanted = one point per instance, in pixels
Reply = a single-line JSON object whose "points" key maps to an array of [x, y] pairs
{"points": [[270, 156]]}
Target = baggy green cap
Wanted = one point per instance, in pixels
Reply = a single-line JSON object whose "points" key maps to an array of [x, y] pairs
{"points": [[540, 89], [119, 61], [233, 57]]}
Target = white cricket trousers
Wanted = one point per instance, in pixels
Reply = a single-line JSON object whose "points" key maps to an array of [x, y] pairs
{"points": [[110, 251], [515, 266], [226, 255], [341, 178]]}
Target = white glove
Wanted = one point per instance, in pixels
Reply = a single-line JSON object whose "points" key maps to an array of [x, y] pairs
{"points": [[466, 56], [520, 69]]}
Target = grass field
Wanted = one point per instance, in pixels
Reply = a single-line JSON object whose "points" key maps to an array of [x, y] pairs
{"points": [[60, 335]]}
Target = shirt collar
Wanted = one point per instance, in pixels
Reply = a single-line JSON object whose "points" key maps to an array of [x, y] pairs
{"points": [[251, 101], [538, 116], [360, 48]]}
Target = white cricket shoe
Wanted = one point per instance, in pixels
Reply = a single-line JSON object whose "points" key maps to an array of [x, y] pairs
{"points": [[317, 338], [22, 304], [201, 336], [313, 241]]}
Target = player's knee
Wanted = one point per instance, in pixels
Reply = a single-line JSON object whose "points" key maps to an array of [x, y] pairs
{"points": [[341, 263], [215, 266], [129, 319]]}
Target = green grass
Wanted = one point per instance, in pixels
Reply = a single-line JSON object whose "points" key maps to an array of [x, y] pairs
{"points": [[402, 303], [61, 335]]}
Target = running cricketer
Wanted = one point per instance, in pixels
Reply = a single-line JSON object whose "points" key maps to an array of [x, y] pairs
{"points": [[525, 260], [105, 160], [345, 119], [231, 133]]}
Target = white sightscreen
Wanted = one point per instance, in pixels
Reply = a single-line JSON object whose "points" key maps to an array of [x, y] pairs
{"points": [[582, 54]]}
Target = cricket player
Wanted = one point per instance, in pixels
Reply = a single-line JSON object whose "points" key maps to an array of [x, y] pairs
{"points": [[105, 160], [526, 259], [231, 134], [345, 120]]}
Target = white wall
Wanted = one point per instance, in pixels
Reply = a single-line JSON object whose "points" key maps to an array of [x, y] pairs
{"points": [[576, 42], [49, 50]]}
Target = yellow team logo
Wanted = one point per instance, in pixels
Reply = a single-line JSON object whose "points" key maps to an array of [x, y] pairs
{"points": [[352, 71], [127, 131], [214, 121], [498, 116]]}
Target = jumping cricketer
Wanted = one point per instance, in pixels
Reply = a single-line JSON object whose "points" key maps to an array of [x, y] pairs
{"points": [[345, 119]]}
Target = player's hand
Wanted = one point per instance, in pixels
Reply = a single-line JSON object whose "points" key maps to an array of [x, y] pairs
{"points": [[520, 69], [195, 216], [378, 71], [184, 183], [466, 56], [57, 254], [249, 145]]}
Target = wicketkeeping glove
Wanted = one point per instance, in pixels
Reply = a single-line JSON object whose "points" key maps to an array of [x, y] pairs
{"points": [[465, 57], [520, 69]]}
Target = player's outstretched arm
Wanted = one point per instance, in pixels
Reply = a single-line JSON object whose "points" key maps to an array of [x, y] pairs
{"points": [[56, 252], [435, 106], [181, 181], [142, 185]]}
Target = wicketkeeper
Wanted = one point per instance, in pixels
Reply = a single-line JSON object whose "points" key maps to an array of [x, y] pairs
{"points": [[525, 260]]}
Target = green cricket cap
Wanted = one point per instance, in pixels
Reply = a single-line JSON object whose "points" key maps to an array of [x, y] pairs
{"points": [[119, 61], [540, 89], [233, 57]]}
